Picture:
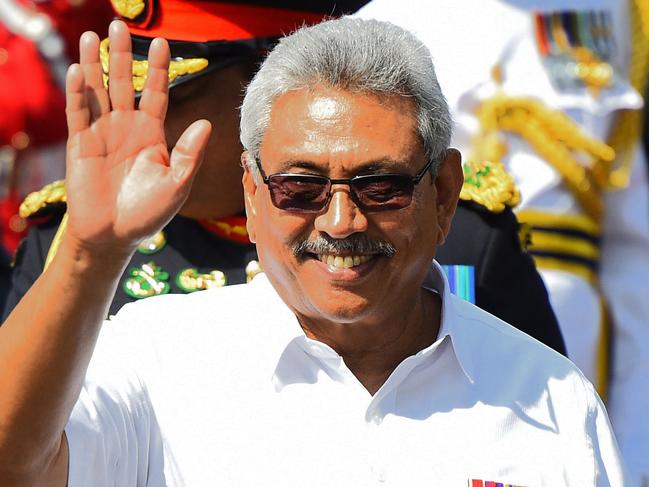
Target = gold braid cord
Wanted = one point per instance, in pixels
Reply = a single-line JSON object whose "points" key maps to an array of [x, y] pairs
{"points": [[128, 8], [38, 200], [628, 124], [177, 67], [553, 135], [490, 185]]}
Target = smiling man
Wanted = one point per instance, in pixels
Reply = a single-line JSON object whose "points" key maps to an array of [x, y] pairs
{"points": [[345, 220], [347, 363]]}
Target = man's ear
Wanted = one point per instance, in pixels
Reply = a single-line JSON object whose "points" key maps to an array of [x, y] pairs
{"points": [[448, 184], [249, 191]]}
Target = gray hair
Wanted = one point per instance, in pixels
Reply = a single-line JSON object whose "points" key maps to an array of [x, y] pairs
{"points": [[356, 55]]}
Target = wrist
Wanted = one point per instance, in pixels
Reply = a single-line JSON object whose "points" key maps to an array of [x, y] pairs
{"points": [[102, 259]]}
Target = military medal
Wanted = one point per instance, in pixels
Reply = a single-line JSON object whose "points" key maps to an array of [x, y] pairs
{"points": [[577, 49]]}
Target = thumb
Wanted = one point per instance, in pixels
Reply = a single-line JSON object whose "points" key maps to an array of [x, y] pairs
{"points": [[187, 155]]}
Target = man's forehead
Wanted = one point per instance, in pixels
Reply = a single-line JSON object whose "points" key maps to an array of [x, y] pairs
{"points": [[319, 125]]}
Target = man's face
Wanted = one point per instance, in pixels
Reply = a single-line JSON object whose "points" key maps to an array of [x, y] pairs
{"points": [[341, 135], [215, 97]]}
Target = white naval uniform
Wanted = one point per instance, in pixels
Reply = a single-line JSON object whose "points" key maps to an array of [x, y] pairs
{"points": [[222, 387], [467, 38]]}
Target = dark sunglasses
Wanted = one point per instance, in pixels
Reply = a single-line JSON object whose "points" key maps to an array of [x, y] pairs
{"points": [[310, 193]]}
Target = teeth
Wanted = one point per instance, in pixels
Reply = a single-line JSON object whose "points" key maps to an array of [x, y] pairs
{"points": [[341, 262]]}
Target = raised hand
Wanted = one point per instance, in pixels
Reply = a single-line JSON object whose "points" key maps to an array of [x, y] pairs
{"points": [[122, 184]]}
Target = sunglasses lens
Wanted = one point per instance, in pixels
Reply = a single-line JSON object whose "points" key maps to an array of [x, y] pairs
{"points": [[299, 192], [383, 193]]}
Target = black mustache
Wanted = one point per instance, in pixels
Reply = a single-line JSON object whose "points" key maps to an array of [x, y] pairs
{"points": [[356, 244]]}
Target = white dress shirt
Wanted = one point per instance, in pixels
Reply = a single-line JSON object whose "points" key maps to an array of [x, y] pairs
{"points": [[222, 387], [466, 39]]}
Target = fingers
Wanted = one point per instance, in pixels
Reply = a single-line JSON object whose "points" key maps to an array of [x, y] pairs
{"points": [[97, 97], [155, 94], [76, 106], [187, 155], [120, 85]]}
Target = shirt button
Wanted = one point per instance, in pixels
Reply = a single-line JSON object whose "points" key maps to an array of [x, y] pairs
{"points": [[377, 419]]}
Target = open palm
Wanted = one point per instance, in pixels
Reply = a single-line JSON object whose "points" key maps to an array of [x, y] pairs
{"points": [[122, 183]]}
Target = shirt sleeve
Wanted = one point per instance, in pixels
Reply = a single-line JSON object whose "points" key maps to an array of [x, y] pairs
{"points": [[609, 470], [111, 432]]}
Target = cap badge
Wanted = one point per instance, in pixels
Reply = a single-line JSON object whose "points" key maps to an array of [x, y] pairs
{"points": [[129, 9]]}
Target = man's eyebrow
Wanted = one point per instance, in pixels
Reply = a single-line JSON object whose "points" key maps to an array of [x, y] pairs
{"points": [[375, 166], [300, 164]]}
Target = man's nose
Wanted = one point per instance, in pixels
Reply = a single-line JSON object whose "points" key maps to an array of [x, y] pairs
{"points": [[342, 217]]}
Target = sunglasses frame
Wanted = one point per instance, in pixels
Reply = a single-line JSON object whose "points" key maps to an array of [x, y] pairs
{"points": [[415, 180]]}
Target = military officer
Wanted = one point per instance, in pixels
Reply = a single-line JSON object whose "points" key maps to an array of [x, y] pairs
{"points": [[206, 246], [215, 49], [551, 90]]}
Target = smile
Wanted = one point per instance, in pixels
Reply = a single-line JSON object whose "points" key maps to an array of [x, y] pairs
{"points": [[343, 262]]}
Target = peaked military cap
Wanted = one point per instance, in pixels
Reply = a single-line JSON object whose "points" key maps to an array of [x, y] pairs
{"points": [[205, 35]]}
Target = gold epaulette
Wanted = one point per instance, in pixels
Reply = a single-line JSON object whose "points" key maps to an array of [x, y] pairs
{"points": [[490, 185], [36, 203]]}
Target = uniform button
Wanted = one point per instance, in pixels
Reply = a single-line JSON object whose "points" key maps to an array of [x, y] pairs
{"points": [[377, 419]]}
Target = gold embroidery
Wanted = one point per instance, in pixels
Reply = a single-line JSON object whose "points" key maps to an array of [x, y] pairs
{"points": [[146, 281], [189, 280], [36, 201], [490, 185], [554, 220], [177, 67], [56, 242], [553, 135], [128, 8]]}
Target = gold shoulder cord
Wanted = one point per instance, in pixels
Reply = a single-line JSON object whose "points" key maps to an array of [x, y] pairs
{"points": [[563, 143], [490, 185], [553, 135], [628, 124], [38, 200], [56, 242]]}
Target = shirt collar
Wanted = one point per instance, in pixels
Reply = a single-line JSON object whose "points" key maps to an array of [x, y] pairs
{"points": [[286, 328], [452, 325]]}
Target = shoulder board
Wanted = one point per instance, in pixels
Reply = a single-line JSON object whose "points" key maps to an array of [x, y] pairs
{"points": [[489, 185], [39, 203]]}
